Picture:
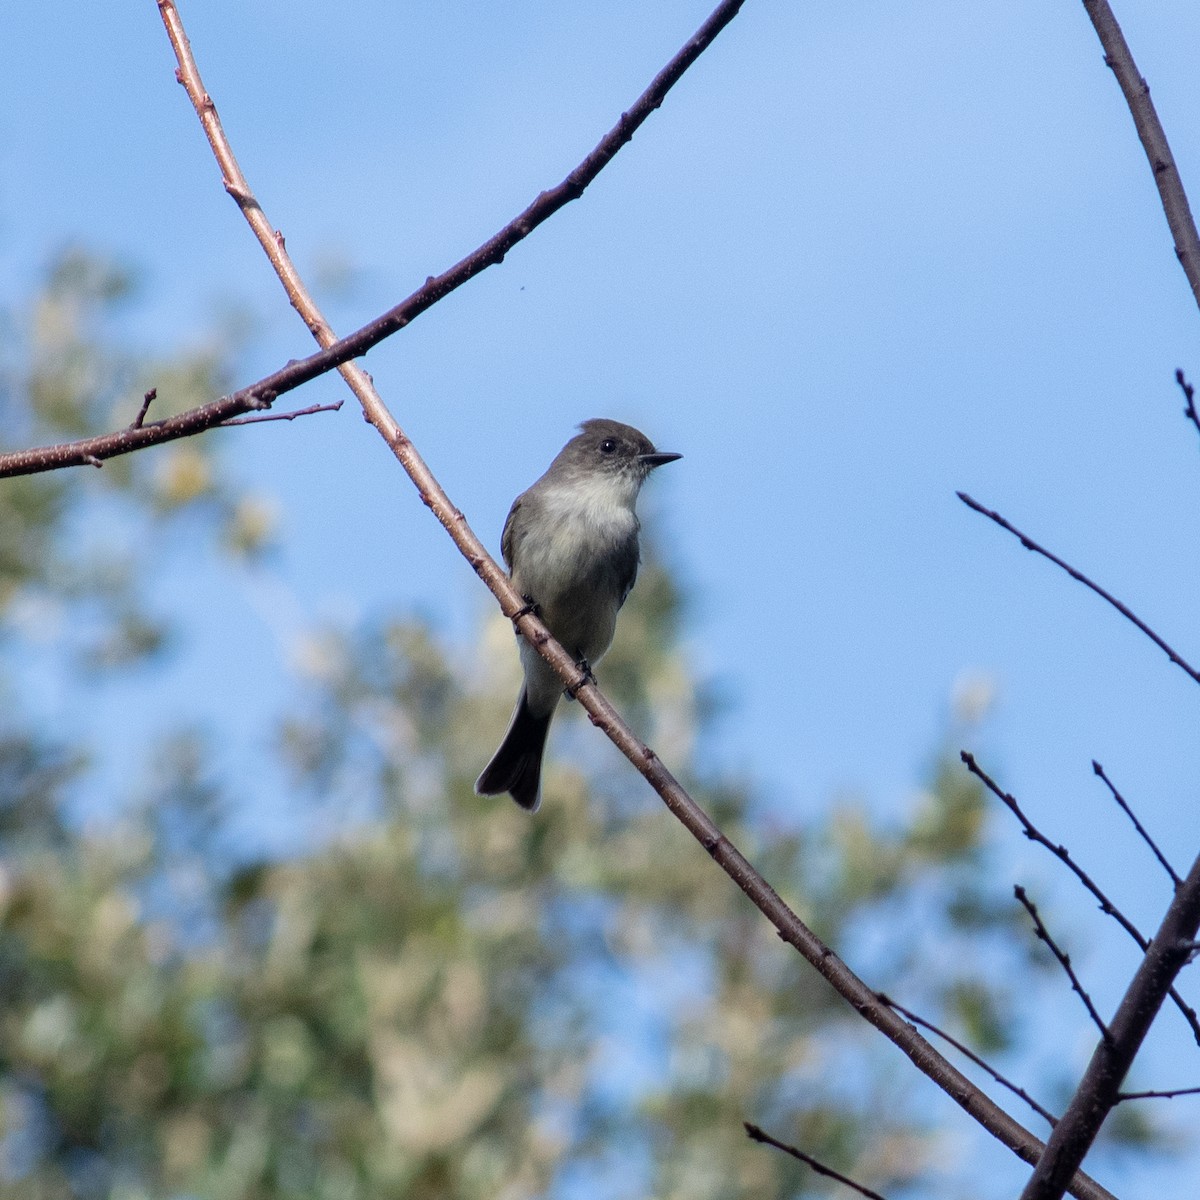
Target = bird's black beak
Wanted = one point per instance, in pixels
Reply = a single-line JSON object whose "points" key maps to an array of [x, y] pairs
{"points": [[658, 458]]}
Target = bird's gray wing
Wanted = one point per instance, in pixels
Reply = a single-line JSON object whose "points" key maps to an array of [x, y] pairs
{"points": [[626, 567], [506, 538]]}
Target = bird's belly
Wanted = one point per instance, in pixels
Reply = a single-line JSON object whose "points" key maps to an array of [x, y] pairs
{"points": [[578, 592]]}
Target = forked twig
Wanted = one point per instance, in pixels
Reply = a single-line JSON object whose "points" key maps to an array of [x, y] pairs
{"points": [[980, 1062], [1060, 852]]}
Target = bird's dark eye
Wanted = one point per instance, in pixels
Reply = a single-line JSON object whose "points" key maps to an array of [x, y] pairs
{"points": [[608, 445]]}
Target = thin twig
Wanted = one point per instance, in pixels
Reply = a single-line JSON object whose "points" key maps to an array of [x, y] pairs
{"points": [[1116, 795], [1060, 852], [1153, 1095], [758, 1135], [1189, 399], [1064, 960], [1016, 1090], [92, 451], [147, 400], [1099, 1088], [1153, 138], [514, 606], [1030, 544], [287, 416]]}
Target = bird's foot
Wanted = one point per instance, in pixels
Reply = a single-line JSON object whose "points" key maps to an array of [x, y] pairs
{"points": [[572, 689], [529, 608]]}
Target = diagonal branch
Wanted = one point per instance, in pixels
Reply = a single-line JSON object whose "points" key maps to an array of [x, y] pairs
{"points": [[1080, 577], [602, 714], [1064, 959], [758, 1135], [1123, 804], [1153, 138]]}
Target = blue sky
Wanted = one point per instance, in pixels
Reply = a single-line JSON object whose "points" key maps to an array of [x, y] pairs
{"points": [[863, 257]]}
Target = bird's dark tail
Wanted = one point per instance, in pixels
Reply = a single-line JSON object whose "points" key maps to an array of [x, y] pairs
{"points": [[516, 767]]}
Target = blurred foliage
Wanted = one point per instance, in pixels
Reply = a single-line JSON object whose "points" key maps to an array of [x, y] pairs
{"points": [[84, 540], [440, 997]]}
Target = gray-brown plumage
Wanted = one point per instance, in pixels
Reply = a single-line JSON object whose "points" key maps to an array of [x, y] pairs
{"points": [[571, 545]]}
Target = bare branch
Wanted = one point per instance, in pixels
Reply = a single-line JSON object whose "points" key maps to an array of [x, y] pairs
{"points": [[288, 416], [1167, 1095], [1064, 959], [1097, 1093], [1030, 544], [1153, 138], [1116, 795], [338, 352], [1064, 856], [757, 1135], [602, 714], [92, 451], [1189, 399], [908, 1014]]}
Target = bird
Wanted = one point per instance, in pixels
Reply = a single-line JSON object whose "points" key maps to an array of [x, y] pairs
{"points": [[571, 546]]}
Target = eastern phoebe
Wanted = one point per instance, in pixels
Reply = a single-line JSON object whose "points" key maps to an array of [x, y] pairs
{"points": [[571, 545]]}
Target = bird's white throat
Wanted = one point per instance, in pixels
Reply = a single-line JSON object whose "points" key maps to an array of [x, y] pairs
{"points": [[600, 500]]}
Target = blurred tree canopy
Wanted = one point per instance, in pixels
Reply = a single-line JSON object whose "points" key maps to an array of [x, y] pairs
{"points": [[439, 997]]}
